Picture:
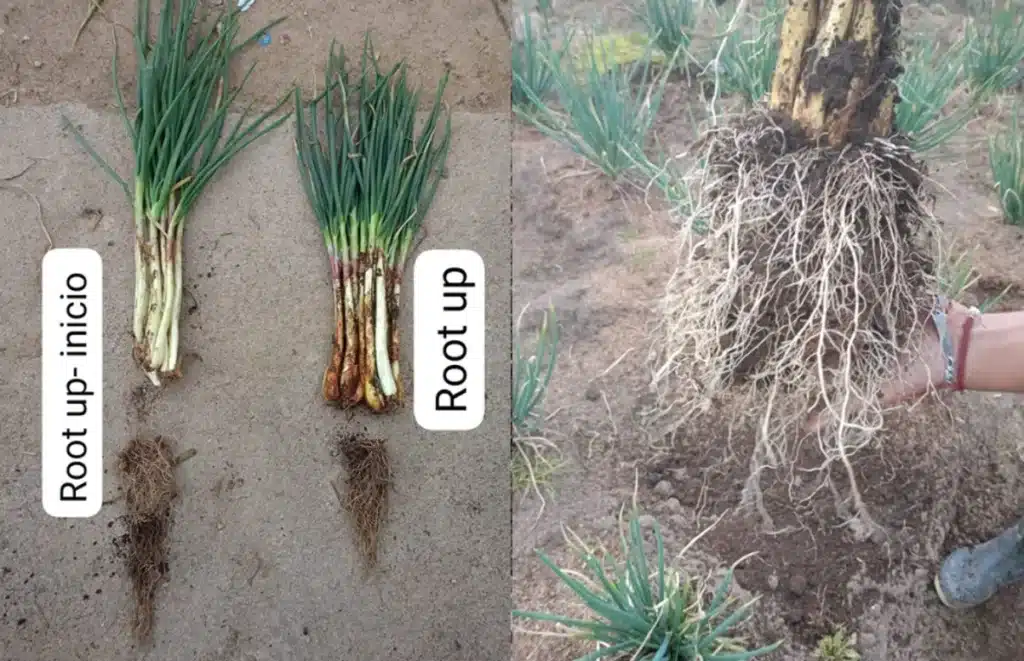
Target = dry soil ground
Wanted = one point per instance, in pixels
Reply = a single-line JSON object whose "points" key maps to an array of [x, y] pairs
{"points": [[262, 562], [936, 479]]}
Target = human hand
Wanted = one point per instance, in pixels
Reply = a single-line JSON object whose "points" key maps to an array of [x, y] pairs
{"points": [[928, 370], [922, 372]]}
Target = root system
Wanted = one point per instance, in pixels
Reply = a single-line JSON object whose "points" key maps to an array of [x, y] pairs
{"points": [[366, 497], [808, 287], [146, 468]]}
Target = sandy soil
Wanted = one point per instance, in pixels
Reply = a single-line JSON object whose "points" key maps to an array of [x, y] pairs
{"points": [[937, 478], [263, 564]]}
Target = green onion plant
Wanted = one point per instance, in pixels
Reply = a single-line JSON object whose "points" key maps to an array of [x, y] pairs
{"points": [[995, 49], [746, 65], [605, 111], [531, 65], [927, 83], [370, 180], [957, 276], [531, 375], [670, 23], [646, 611], [1006, 158], [177, 131]]}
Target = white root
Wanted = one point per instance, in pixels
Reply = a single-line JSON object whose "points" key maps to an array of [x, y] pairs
{"points": [[171, 363], [388, 387], [141, 293], [141, 271], [808, 284], [397, 297], [154, 349], [158, 296]]}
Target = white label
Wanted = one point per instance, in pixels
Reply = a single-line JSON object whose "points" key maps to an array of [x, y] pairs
{"points": [[72, 377], [448, 334]]}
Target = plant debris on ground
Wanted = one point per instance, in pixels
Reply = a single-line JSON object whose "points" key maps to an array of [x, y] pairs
{"points": [[365, 498], [146, 467]]}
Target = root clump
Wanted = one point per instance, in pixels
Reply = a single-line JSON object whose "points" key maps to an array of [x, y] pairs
{"points": [[146, 468], [368, 466], [806, 274]]}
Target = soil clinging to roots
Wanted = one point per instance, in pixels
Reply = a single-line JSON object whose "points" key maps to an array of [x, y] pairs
{"points": [[146, 468], [368, 466], [807, 283]]}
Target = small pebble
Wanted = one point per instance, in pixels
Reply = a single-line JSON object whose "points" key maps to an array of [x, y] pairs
{"points": [[37, 64], [285, 39], [592, 393], [673, 505], [664, 488], [25, 39], [798, 584], [773, 582], [646, 521]]}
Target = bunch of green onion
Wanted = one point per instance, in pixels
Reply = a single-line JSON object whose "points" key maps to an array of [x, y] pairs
{"points": [[177, 133], [370, 179]]}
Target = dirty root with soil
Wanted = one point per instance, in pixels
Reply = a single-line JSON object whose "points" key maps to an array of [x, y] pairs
{"points": [[368, 481], [146, 467], [811, 263]]}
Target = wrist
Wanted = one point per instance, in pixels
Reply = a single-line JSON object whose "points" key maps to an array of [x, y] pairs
{"points": [[961, 341], [993, 360], [953, 329]]}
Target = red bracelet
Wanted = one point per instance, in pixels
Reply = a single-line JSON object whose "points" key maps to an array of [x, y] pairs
{"points": [[961, 353]]}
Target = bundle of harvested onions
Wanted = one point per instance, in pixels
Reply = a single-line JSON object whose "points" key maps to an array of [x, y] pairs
{"points": [[177, 136], [370, 181]]}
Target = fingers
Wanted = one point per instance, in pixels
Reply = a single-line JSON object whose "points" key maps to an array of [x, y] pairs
{"points": [[914, 380], [901, 390], [895, 392]]}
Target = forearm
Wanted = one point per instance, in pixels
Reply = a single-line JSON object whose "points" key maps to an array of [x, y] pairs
{"points": [[994, 360]]}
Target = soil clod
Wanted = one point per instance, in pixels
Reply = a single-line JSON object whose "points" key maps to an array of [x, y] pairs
{"points": [[368, 466]]}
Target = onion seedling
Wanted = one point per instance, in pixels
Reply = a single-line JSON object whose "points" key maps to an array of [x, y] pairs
{"points": [[370, 180], [177, 132]]}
